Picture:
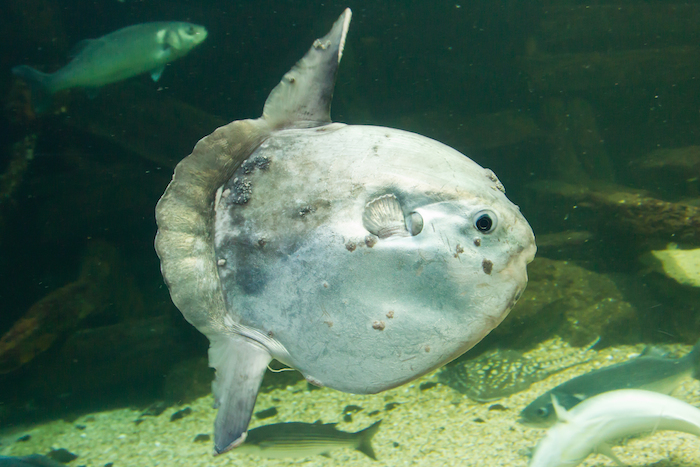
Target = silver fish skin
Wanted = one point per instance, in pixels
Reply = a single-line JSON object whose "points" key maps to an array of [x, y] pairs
{"points": [[120, 55], [648, 372], [590, 425], [297, 440]]}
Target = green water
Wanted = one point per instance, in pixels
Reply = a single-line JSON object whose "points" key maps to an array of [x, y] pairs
{"points": [[589, 113]]}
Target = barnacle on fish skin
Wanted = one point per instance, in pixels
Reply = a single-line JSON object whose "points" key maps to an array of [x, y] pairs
{"points": [[242, 190]]}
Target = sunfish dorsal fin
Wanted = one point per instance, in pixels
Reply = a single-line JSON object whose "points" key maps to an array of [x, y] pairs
{"points": [[303, 98]]}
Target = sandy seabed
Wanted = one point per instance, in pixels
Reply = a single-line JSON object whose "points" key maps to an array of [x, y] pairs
{"points": [[426, 427]]}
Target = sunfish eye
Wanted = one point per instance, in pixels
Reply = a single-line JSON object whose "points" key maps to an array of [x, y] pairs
{"points": [[191, 31], [542, 412], [485, 221]]}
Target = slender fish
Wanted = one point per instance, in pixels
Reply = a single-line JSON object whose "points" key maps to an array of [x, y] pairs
{"points": [[590, 425], [120, 55], [34, 460], [296, 439], [648, 371]]}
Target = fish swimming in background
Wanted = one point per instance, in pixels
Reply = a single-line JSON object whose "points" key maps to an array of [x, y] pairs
{"points": [[593, 423], [498, 373], [296, 439], [648, 371], [120, 55], [34, 460]]}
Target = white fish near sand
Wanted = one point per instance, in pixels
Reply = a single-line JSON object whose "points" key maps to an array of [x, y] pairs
{"points": [[125, 53], [648, 371], [590, 425]]}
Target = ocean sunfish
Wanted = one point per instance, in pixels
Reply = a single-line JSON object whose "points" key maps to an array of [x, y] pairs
{"points": [[362, 256]]}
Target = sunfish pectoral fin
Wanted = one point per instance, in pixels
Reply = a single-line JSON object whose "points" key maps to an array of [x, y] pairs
{"points": [[155, 74], [240, 366], [303, 98]]}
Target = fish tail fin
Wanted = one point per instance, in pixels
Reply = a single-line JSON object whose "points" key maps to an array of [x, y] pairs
{"points": [[40, 85], [365, 444], [694, 357]]}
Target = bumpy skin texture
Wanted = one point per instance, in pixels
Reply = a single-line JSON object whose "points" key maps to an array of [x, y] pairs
{"points": [[355, 312]]}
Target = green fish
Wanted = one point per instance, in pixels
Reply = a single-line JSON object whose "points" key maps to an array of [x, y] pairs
{"points": [[120, 55], [648, 371], [296, 439]]}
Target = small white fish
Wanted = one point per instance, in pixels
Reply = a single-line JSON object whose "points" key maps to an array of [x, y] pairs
{"points": [[120, 55], [612, 415]]}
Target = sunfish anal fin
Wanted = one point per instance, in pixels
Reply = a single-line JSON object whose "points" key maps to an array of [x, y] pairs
{"points": [[240, 365], [303, 98]]}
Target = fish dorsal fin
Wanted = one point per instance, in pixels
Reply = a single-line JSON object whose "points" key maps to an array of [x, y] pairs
{"points": [[383, 217], [79, 47], [562, 414], [303, 98]]}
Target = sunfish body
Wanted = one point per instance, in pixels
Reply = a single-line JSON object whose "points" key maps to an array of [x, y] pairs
{"points": [[589, 426], [650, 372], [361, 256], [131, 51], [295, 439]]}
